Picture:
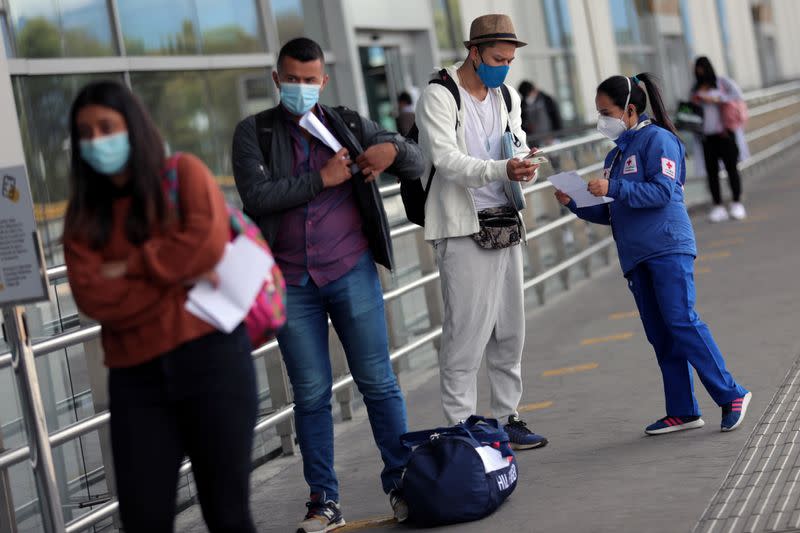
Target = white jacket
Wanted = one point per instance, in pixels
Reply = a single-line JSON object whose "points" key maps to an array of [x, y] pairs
{"points": [[450, 209]]}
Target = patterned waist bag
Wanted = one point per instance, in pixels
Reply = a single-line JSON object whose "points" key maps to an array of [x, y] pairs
{"points": [[501, 227]]}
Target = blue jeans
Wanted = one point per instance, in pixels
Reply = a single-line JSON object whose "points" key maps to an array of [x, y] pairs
{"points": [[354, 303], [664, 291]]}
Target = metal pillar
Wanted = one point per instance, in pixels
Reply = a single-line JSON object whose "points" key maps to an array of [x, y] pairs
{"points": [[16, 333]]}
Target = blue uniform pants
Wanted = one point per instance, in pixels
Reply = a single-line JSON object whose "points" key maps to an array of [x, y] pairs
{"points": [[665, 295]]}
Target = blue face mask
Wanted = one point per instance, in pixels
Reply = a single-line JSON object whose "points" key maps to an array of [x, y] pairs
{"points": [[108, 154], [492, 76], [299, 98]]}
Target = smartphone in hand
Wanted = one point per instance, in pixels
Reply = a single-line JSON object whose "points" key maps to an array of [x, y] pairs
{"points": [[536, 159]]}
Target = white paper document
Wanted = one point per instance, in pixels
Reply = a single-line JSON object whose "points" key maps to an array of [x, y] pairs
{"points": [[312, 125], [242, 271], [572, 184]]}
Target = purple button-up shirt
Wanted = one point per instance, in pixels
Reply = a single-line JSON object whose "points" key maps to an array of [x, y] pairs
{"points": [[322, 239]]}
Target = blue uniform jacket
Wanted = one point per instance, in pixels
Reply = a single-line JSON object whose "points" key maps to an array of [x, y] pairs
{"points": [[646, 172]]}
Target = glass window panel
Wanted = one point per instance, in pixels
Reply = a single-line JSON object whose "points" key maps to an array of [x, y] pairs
{"points": [[559, 24], [300, 18], [197, 112], [173, 31], [43, 104], [231, 26], [62, 28], [447, 19], [6, 35], [626, 22]]}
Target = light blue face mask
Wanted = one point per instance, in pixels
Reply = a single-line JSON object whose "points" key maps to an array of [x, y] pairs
{"points": [[492, 76], [108, 154], [299, 98]]}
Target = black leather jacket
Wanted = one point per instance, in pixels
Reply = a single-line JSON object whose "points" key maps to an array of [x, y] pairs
{"points": [[269, 189]]}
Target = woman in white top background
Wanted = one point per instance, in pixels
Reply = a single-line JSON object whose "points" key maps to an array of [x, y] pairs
{"points": [[722, 138]]}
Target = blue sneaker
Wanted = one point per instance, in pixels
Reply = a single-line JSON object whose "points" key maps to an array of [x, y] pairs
{"points": [[521, 437], [733, 413], [321, 517], [670, 424]]}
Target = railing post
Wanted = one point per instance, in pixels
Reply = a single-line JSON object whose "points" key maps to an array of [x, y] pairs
{"points": [[280, 394], [395, 325], [534, 251], [98, 383], [340, 368], [47, 389], [578, 229], [433, 291], [41, 458], [8, 522]]}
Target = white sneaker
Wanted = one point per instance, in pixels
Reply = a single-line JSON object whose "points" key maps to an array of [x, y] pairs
{"points": [[718, 214], [737, 211]]}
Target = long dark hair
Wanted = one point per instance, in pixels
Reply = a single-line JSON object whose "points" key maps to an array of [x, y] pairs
{"points": [[616, 88], [89, 214], [709, 76]]}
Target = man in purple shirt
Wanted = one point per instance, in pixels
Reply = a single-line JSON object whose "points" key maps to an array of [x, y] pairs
{"points": [[322, 214]]}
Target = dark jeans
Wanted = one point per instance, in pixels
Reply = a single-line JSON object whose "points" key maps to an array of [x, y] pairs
{"points": [[355, 304], [197, 400], [716, 147]]}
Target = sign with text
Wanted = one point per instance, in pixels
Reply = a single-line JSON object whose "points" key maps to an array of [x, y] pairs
{"points": [[23, 274]]}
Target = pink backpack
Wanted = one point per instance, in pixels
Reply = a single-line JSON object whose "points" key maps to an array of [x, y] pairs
{"points": [[734, 113], [268, 312]]}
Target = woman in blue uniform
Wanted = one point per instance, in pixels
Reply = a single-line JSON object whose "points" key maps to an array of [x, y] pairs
{"points": [[645, 175]]}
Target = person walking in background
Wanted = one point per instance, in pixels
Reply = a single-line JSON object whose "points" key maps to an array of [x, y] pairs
{"points": [[405, 115], [723, 137], [326, 226], [645, 175], [471, 216], [176, 385], [540, 113]]}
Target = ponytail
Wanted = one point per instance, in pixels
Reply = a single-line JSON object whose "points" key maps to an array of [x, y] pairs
{"points": [[656, 101]]}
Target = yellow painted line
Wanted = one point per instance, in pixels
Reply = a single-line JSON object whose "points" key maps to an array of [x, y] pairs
{"points": [[610, 338], [713, 255], [702, 270], [620, 316], [534, 407], [725, 242], [569, 370], [358, 525]]}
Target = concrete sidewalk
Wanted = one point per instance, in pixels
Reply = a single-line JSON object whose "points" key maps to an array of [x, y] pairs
{"points": [[592, 384]]}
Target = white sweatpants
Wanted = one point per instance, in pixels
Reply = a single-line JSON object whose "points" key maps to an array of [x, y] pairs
{"points": [[484, 312]]}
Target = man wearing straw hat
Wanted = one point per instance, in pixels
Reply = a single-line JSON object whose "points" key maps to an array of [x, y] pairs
{"points": [[476, 145]]}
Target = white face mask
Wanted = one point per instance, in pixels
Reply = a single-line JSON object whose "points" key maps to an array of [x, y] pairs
{"points": [[614, 127]]}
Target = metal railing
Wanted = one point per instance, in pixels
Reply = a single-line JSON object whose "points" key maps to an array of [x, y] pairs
{"points": [[779, 106]]}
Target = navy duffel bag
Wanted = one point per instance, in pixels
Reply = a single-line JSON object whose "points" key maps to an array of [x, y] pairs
{"points": [[459, 473]]}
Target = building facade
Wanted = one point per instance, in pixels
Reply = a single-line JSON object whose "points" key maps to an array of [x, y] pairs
{"points": [[200, 66]]}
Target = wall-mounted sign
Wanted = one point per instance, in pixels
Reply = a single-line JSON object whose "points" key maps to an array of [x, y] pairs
{"points": [[23, 274]]}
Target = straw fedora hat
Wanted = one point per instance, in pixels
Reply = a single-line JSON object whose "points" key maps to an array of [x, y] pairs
{"points": [[490, 28]]}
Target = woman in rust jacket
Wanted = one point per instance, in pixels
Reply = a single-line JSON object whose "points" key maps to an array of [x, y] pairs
{"points": [[177, 386]]}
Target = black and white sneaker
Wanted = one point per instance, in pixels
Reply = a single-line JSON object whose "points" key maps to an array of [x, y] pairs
{"points": [[399, 505], [321, 517]]}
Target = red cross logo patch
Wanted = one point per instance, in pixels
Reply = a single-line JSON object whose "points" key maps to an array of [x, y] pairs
{"points": [[630, 166], [668, 167]]}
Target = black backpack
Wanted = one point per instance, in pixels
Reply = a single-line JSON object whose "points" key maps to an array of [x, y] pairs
{"points": [[266, 118], [412, 192]]}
